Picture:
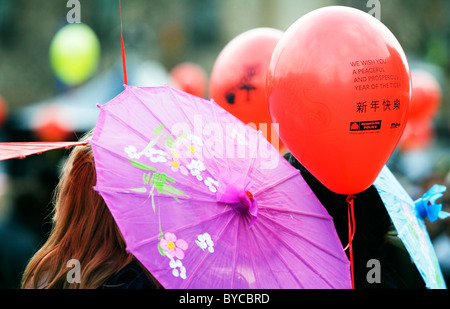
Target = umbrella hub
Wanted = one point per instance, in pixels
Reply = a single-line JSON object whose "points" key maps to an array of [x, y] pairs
{"points": [[233, 190], [247, 205], [249, 194], [245, 201]]}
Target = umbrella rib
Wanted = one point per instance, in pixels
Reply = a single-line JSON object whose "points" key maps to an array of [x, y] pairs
{"points": [[171, 90], [205, 255], [181, 108], [286, 264], [125, 124], [110, 151], [293, 211], [128, 191], [300, 257], [148, 240], [253, 156], [216, 108], [301, 236], [214, 111], [130, 210], [132, 90], [278, 182], [253, 258], [192, 188], [145, 105], [235, 254]]}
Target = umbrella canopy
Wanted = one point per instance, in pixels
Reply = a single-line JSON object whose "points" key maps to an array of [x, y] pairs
{"points": [[408, 219], [204, 201]]}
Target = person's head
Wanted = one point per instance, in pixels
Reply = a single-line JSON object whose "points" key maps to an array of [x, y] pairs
{"points": [[83, 229]]}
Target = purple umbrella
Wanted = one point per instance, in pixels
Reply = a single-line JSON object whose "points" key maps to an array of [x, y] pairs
{"points": [[205, 201]]}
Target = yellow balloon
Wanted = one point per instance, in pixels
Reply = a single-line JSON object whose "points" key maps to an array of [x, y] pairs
{"points": [[74, 53]]}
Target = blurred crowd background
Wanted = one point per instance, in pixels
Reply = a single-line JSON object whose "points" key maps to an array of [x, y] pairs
{"points": [[36, 104]]}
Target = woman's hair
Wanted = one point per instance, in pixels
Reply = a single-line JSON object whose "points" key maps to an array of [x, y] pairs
{"points": [[83, 229]]}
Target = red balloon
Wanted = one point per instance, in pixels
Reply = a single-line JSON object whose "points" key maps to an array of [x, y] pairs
{"points": [[426, 96], [418, 134], [3, 111], [238, 79], [339, 86], [189, 77], [51, 124]]}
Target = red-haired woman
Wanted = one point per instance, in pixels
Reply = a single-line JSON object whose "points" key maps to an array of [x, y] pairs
{"points": [[84, 231]]}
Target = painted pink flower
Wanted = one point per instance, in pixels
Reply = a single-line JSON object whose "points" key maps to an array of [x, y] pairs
{"points": [[172, 246]]}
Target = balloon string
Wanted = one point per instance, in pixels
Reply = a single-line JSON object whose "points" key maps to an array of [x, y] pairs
{"points": [[350, 204], [124, 62], [351, 234]]}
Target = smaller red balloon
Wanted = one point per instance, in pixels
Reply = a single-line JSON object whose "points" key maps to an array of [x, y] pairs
{"points": [[425, 97], [418, 134], [3, 111], [51, 124], [238, 80], [189, 77]]}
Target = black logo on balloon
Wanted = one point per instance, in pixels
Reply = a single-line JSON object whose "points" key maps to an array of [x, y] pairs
{"points": [[245, 84], [365, 125]]}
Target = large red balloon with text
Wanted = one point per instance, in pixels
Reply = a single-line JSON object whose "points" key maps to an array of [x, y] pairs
{"points": [[238, 79], [339, 86]]}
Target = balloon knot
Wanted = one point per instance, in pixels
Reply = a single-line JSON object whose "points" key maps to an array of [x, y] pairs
{"points": [[350, 198]]}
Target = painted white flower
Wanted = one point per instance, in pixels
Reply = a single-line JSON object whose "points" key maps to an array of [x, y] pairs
{"points": [[205, 242], [178, 269], [212, 184], [132, 152], [196, 167], [156, 155], [196, 140]]}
